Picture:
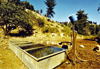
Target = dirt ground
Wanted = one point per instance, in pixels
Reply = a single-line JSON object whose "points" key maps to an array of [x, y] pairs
{"points": [[8, 59]]}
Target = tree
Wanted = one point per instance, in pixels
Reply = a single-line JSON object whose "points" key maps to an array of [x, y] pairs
{"points": [[23, 3], [41, 11], [27, 5], [50, 6], [98, 8], [90, 22], [91, 28], [13, 14], [65, 23], [37, 11], [14, 1], [81, 21]]}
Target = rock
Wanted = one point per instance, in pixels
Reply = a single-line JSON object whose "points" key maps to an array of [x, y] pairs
{"points": [[47, 42], [81, 46], [1, 62], [67, 63], [53, 43]]}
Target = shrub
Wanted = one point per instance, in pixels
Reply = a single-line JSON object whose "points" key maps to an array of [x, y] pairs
{"points": [[47, 29], [86, 31], [62, 25], [66, 31], [98, 34], [53, 30], [40, 22]]}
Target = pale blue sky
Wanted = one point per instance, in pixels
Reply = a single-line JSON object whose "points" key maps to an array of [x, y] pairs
{"points": [[64, 8]]}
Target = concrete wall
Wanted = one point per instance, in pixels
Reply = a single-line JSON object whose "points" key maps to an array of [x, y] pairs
{"points": [[33, 63]]}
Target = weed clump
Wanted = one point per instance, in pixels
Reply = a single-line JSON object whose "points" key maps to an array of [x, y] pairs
{"points": [[47, 29]]}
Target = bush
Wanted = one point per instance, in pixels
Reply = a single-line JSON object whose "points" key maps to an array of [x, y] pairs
{"points": [[98, 34], [66, 31], [62, 25], [40, 22], [86, 31], [47, 29], [53, 30]]}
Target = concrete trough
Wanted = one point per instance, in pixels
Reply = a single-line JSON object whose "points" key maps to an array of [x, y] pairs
{"points": [[38, 56]]}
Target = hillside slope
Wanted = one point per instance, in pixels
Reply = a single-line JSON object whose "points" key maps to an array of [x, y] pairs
{"points": [[45, 25]]}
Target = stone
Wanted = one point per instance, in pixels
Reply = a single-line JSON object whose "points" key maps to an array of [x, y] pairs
{"points": [[81, 46], [67, 63], [47, 42]]}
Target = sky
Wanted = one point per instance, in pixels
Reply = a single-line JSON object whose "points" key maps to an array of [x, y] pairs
{"points": [[64, 8]]}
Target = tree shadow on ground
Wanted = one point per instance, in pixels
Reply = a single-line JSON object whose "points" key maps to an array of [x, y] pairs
{"points": [[90, 39], [21, 34]]}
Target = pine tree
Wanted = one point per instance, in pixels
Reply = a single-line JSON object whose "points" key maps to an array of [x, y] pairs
{"points": [[81, 21], [98, 8], [50, 6], [41, 11]]}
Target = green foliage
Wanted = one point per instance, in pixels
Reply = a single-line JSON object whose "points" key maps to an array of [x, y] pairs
{"points": [[41, 11], [14, 14], [91, 28], [22, 3], [98, 8], [47, 29], [86, 31], [37, 11], [69, 25], [53, 30], [31, 15], [50, 6], [66, 31], [79, 27], [62, 25], [98, 34], [40, 22], [81, 23], [65, 23], [27, 5]]}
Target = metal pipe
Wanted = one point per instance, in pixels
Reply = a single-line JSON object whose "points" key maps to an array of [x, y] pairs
{"points": [[72, 19]]}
